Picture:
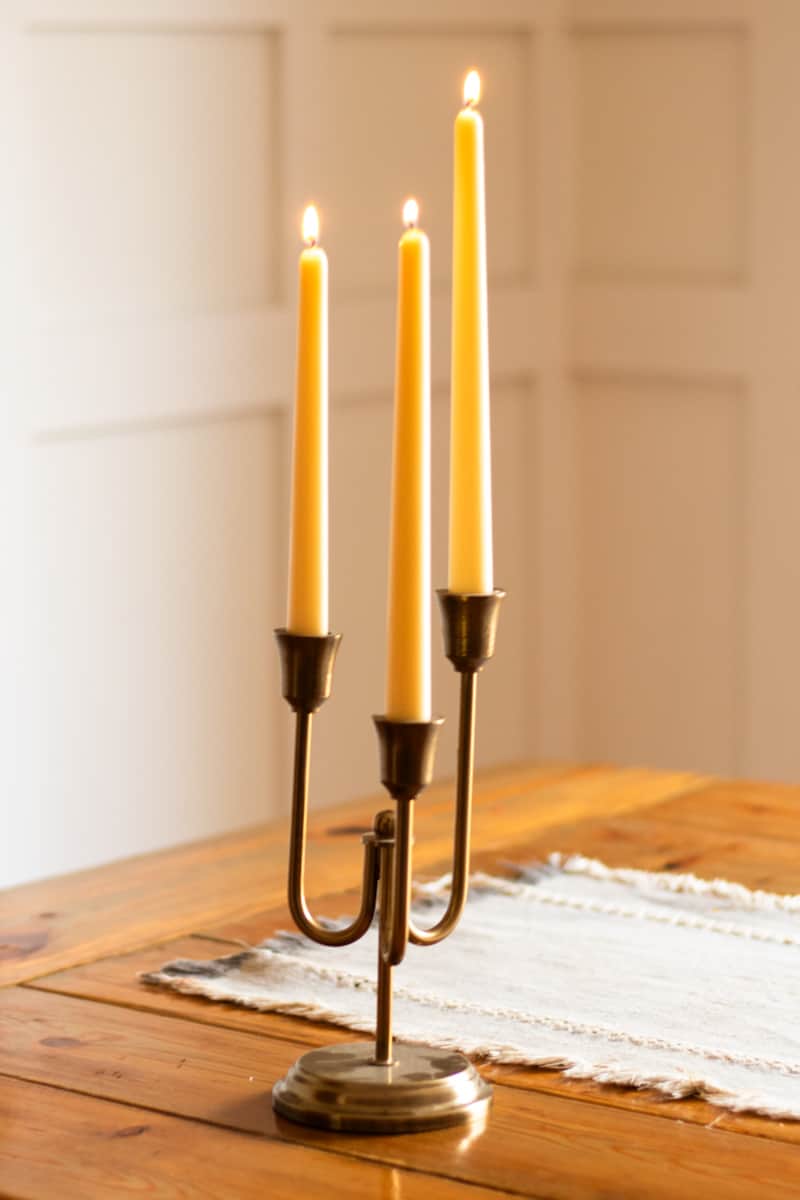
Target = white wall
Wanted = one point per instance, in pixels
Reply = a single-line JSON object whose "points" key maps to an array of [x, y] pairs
{"points": [[169, 149], [644, 270]]}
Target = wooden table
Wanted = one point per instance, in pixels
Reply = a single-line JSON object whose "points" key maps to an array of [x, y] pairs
{"points": [[111, 1088]]}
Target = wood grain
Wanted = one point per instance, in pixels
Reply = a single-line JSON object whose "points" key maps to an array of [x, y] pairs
{"points": [[650, 841], [109, 1080], [56, 923], [752, 809], [59, 923], [59, 1145], [115, 981], [223, 1077]]}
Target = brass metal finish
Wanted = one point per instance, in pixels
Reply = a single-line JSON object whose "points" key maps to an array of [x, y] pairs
{"points": [[463, 822], [387, 1088], [307, 668], [297, 856], [341, 1087], [383, 1018], [469, 624], [407, 750]]}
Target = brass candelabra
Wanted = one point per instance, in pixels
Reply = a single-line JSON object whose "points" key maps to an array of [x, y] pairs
{"points": [[392, 1086]]}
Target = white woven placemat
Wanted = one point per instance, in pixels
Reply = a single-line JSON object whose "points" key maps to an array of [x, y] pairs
{"points": [[630, 977]]}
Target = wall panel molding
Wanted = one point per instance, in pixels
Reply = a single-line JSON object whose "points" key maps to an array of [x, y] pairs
{"points": [[201, 367], [132, 16], [656, 15], [154, 422], [139, 369]]}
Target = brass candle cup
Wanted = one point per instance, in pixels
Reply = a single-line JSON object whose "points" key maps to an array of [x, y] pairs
{"points": [[307, 663], [469, 625]]}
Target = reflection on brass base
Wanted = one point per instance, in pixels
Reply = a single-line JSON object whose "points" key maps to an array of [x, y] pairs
{"points": [[341, 1087]]}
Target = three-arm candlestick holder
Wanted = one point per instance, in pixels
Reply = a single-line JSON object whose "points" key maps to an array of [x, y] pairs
{"points": [[389, 1087]]}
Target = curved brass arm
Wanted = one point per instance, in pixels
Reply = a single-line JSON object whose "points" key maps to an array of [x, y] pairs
{"points": [[463, 821], [297, 854]]}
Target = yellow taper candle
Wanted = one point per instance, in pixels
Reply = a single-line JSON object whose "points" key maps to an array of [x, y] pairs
{"points": [[408, 678], [471, 567], [308, 547]]}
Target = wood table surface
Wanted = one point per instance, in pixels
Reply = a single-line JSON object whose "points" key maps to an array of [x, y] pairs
{"points": [[109, 1087]]}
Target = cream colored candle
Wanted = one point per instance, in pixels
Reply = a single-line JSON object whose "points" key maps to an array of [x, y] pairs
{"points": [[471, 567], [308, 549], [408, 679]]}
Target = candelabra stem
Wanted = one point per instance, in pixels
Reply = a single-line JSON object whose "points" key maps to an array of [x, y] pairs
{"points": [[383, 1016], [383, 1028], [395, 905], [395, 916]]}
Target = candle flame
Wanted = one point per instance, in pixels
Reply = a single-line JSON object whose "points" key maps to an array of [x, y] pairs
{"points": [[410, 213], [311, 226], [472, 88]]}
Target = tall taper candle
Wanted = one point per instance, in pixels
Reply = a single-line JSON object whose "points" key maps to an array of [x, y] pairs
{"points": [[471, 568], [308, 551], [408, 678]]}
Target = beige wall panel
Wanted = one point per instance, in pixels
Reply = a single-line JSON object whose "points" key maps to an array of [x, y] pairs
{"points": [[773, 746], [155, 186], [346, 754], [661, 150], [156, 703], [389, 116], [660, 507]]}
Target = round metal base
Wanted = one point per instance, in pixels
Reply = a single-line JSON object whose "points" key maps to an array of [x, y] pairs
{"points": [[341, 1087]]}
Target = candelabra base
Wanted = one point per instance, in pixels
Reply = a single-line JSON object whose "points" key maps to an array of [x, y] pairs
{"points": [[342, 1087]]}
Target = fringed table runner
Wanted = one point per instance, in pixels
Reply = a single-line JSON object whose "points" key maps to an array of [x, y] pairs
{"points": [[629, 977]]}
